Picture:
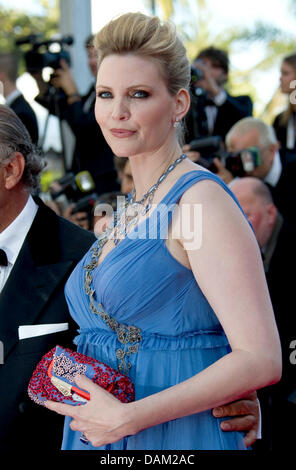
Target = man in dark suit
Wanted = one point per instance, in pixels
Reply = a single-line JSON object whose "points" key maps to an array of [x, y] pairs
{"points": [[41, 250], [91, 152], [277, 243], [13, 97], [276, 171], [213, 111]]}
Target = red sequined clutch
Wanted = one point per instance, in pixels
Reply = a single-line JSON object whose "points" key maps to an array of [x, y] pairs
{"points": [[53, 378]]}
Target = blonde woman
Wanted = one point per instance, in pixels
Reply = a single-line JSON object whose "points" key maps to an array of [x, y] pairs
{"points": [[188, 318]]}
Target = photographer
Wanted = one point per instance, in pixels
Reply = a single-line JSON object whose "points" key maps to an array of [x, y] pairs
{"points": [[91, 150], [13, 97], [213, 111], [73, 197], [271, 167]]}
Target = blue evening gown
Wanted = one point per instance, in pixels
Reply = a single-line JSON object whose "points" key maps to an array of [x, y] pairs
{"points": [[178, 335]]}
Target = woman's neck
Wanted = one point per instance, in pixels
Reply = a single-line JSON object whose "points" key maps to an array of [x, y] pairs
{"points": [[147, 168]]}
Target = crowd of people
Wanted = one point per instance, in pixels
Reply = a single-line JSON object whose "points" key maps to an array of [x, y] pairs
{"points": [[227, 305]]}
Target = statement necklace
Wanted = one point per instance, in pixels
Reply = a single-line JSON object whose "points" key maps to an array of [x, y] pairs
{"points": [[128, 215], [129, 336]]}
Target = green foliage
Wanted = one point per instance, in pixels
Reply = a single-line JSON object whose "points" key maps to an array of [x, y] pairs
{"points": [[15, 24], [275, 42]]}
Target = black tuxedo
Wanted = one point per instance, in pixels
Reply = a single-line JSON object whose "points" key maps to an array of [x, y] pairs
{"points": [[281, 283], [232, 110], [281, 134], [280, 130], [278, 411], [284, 193], [34, 294], [26, 114]]}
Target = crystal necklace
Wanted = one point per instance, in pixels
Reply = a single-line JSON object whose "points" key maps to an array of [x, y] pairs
{"points": [[128, 215], [128, 336]]}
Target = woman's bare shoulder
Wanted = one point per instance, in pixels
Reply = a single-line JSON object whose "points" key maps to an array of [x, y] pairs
{"points": [[206, 190]]}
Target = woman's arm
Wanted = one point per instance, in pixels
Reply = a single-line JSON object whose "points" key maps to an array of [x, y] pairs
{"points": [[228, 269]]}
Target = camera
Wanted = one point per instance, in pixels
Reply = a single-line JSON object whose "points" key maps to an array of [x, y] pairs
{"points": [[75, 189], [45, 53], [243, 162], [238, 163], [196, 74]]}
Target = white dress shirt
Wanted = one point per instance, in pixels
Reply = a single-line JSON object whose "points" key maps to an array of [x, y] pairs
{"points": [[13, 237], [212, 111], [12, 97], [275, 171]]}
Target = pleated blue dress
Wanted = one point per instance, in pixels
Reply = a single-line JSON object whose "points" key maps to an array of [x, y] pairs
{"points": [[175, 333]]}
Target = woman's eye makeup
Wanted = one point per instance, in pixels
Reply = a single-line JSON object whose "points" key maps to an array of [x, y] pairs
{"points": [[132, 94], [104, 94], [139, 94]]}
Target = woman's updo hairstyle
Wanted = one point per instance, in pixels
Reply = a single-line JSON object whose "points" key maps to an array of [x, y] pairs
{"points": [[147, 37]]}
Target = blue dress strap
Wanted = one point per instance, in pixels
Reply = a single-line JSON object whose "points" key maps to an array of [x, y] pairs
{"points": [[189, 179], [161, 218]]}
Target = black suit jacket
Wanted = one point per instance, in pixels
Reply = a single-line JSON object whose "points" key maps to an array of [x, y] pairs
{"points": [[280, 130], [91, 153], [34, 294], [281, 284], [284, 193], [26, 114], [278, 411]]}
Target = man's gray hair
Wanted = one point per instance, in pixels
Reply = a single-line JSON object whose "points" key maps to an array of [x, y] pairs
{"points": [[267, 134], [14, 137]]}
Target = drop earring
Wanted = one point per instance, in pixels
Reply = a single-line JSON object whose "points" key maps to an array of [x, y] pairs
{"points": [[176, 123]]}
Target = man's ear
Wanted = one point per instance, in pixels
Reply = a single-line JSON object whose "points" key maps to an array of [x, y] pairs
{"points": [[273, 148], [272, 213], [13, 170]]}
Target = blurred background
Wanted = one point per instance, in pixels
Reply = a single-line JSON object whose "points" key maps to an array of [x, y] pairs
{"points": [[257, 35]]}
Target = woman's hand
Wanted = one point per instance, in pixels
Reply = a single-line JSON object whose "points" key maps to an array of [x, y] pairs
{"points": [[103, 420]]}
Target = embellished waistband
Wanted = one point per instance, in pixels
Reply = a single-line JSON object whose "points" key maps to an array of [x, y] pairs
{"points": [[203, 339]]}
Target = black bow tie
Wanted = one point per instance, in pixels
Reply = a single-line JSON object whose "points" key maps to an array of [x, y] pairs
{"points": [[3, 258], [209, 102]]}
